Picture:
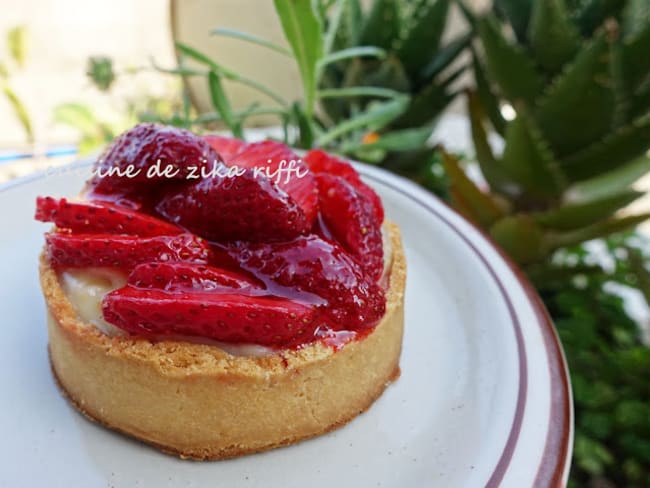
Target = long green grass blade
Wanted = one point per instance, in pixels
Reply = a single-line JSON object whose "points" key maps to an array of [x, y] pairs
{"points": [[352, 52], [221, 104], [245, 36]]}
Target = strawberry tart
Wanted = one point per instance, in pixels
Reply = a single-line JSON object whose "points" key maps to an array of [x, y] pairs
{"points": [[214, 298]]}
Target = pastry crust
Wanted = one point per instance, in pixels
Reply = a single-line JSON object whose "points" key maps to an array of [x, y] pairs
{"points": [[197, 401]]}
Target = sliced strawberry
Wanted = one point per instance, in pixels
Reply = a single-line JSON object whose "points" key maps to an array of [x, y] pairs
{"points": [[100, 218], [311, 266], [87, 250], [285, 169], [228, 317], [226, 147], [321, 162], [182, 276], [144, 148], [349, 216], [242, 207]]}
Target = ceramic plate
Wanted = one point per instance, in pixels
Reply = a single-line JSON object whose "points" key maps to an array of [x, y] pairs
{"points": [[483, 399]]}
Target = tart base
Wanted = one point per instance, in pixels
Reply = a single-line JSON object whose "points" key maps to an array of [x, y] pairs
{"points": [[197, 401]]}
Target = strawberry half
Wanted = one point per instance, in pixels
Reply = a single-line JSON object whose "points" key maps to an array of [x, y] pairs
{"points": [[100, 218], [89, 250], [311, 266], [242, 207], [349, 216], [182, 276], [226, 147], [319, 161], [229, 317], [272, 157], [144, 147]]}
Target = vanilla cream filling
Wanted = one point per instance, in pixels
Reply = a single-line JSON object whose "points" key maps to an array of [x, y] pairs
{"points": [[85, 288]]}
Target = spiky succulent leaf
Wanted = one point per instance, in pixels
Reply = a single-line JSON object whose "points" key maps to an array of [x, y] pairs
{"points": [[518, 14], [387, 73], [479, 206], [489, 100], [529, 161], [577, 215], [635, 71], [443, 58], [520, 237], [625, 144], [492, 170], [579, 106], [423, 37], [553, 38], [382, 25], [590, 14], [349, 30], [508, 64], [609, 183]]}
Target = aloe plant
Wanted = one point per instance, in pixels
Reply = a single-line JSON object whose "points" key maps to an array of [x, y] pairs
{"points": [[577, 80], [416, 63]]}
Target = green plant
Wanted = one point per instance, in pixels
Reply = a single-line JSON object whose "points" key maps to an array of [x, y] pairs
{"points": [[577, 79], [16, 39]]}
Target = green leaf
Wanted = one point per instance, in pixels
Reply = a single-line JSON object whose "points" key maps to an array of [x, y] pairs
{"points": [[482, 208], [518, 14], [358, 91], [520, 237], [245, 36], [375, 117], [19, 109], [388, 73], [553, 38], [636, 17], [17, 44], [638, 267], [529, 161], [626, 144], [508, 64], [352, 52], [574, 216], [634, 68], [492, 170], [196, 55], [595, 231], [611, 182], [398, 140], [78, 116], [222, 104], [333, 25], [305, 35], [382, 25], [305, 138], [488, 99], [443, 58], [423, 37], [578, 108], [349, 30]]}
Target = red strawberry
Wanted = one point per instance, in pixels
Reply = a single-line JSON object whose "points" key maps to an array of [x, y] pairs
{"points": [[349, 216], [143, 147], [321, 162], [100, 218], [243, 207], [182, 276], [312, 269], [228, 317], [226, 147], [86, 250], [272, 157]]}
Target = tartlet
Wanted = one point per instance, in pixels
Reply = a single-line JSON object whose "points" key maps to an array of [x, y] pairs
{"points": [[198, 394]]}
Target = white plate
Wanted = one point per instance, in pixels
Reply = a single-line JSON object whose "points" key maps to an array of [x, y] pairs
{"points": [[483, 399]]}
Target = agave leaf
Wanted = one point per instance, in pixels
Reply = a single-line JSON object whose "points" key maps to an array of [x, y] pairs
{"points": [[508, 64], [382, 26], [429, 102], [578, 108], [423, 37], [443, 58], [388, 73], [553, 38], [529, 161], [575, 216], [481, 207], [349, 29], [221, 104], [635, 18], [518, 14], [304, 32], [626, 144], [555, 240], [491, 169], [635, 70], [592, 13], [614, 181], [520, 237], [488, 99]]}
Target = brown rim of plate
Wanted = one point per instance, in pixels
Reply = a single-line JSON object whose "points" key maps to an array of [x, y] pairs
{"points": [[554, 461]]}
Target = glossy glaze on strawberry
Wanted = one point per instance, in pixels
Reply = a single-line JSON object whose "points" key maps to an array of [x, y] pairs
{"points": [[261, 256]]}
